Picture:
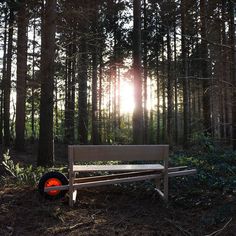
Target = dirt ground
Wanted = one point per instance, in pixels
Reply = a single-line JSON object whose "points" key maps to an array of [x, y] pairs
{"points": [[126, 209], [115, 210]]}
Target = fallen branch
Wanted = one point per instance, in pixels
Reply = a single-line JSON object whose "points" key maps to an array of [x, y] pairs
{"points": [[185, 232], [217, 232], [69, 228]]}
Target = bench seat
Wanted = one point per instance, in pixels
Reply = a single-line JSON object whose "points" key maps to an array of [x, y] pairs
{"points": [[128, 167]]}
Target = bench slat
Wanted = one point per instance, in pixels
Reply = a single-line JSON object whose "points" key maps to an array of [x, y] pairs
{"points": [[87, 168], [119, 152]]}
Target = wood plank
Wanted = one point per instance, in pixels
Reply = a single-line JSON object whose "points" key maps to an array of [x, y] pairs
{"points": [[103, 182], [62, 187], [115, 181], [172, 169], [119, 152], [182, 173], [127, 179], [113, 176], [136, 167]]}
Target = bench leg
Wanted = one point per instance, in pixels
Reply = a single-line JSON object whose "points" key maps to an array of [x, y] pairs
{"points": [[72, 196], [166, 186], [158, 183]]}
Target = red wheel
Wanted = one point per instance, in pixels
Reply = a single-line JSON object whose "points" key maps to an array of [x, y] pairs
{"points": [[52, 179], [53, 182]]}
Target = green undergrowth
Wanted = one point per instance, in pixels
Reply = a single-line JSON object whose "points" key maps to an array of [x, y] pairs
{"points": [[216, 170], [19, 175]]}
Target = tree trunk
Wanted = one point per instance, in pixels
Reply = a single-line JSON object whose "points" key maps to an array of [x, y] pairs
{"points": [[100, 95], [185, 75], [70, 93], [176, 88], [138, 111], [206, 102], [21, 76], [95, 133], [83, 79], [3, 77], [233, 70], [33, 85], [145, 51], [158, 136], [46, 144], [7, 82], [169, 92], [163, 94]]}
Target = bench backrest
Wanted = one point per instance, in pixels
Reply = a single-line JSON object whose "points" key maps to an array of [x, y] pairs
{"points": [[118, 152]]}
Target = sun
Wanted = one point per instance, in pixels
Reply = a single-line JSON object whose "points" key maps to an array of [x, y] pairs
{"points": [[126, 96]]}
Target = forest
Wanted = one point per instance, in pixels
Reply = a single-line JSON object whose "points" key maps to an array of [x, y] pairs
{"points": [[119, 72], [90, 72]]}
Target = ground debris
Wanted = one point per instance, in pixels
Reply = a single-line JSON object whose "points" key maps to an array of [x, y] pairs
{"points": [[64, 229], [110, 210]]}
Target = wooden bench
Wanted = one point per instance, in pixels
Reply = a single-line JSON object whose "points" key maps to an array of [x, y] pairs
{"points": [[138, 172], [121, 172]]}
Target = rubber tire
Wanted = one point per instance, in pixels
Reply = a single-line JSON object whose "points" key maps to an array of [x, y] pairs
{"points": [[50, 175]]}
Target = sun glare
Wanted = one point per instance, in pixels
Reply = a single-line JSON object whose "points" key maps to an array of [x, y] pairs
{"points": [[126, 96]]}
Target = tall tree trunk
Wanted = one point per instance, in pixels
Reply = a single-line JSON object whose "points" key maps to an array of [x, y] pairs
{"points": [[145, 51], [100, 94], [73, 84], [95, 133], [7, 82], [163, 93], [46, 144], [70, 92], [169, 92], [158, 136], [176, 88], [233, 70], [66, 73], [185, 75], [83, 79], [206, 102], [3, 76], [118, 99], [33, 84], [138, 111], [225, 76], [21, 76]]}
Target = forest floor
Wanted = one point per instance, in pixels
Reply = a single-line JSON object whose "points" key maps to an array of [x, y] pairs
{"points": [[127, 209]]}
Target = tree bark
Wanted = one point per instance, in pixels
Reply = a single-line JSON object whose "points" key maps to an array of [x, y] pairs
{"points": [[7, 82], [145, 72], [206, 102], [176, 88], [138, 110], [233, 70], [33, 85], [95, 133], [163, 93], [46, 144], [22, 39], [185, 75], [169, 91], [3, 76], [83, 79]]}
